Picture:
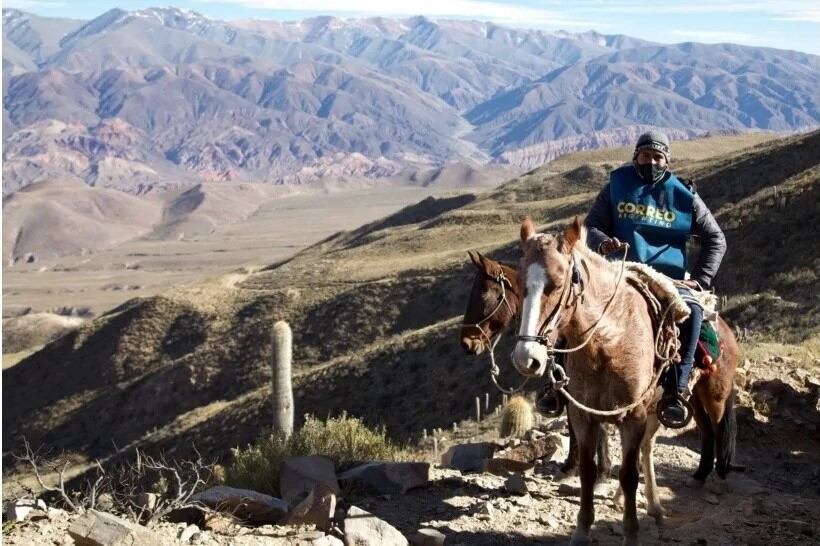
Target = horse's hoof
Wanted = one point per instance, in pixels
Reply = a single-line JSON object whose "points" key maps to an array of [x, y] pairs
{"points": [[657, 513], [719, 487], [580, 537], [631, 541], [601, 490], [618, 499], [567, 471], [695, 483]]}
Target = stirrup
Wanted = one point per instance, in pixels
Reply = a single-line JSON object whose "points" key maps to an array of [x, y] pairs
{"points": [[688, 410], [559, 404]]}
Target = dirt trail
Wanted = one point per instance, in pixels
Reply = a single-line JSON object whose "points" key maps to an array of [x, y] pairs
{"points": [[776, 501]]}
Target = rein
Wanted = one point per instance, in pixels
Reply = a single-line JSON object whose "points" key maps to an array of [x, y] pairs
{"points": [[664, 355], [543, 334]]}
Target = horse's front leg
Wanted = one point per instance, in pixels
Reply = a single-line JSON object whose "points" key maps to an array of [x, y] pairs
{"points": [[586, 434], [632, 434], [571, 462], [653, 503]]}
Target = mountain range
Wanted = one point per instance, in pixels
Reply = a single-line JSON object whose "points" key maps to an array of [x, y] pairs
{"points": [[146, 99]]}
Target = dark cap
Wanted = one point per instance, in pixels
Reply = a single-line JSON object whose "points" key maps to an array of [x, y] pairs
{"points": [[653, 140]]}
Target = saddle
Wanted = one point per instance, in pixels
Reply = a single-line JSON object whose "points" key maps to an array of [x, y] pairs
{"points": [[662, 296]]}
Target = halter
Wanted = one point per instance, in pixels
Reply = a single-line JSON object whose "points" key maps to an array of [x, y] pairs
{"points": [[573, 286], [572, 281], [501, 279], [495, 371]]}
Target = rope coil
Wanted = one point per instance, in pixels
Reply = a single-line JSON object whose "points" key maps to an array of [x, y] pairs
{"points": [[665, 348]]}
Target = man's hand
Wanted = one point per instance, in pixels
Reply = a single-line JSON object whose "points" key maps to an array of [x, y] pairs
{"points": [[689, 283], [611, 245]]}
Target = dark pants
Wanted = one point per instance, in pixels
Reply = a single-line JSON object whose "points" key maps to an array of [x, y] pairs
{"points": [[678, 376]]}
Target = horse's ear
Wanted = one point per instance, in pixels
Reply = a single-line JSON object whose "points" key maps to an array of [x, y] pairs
{"points": [[527, 230], [573, 233], [475, 257]]}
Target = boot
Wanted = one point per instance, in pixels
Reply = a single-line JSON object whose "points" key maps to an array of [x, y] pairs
{"points": [[550, 404], [673, 409]]}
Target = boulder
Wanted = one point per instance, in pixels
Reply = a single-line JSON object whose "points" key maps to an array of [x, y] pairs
{"points": [[20, 510], [300, 474], [243, 503], [516, 485], [100, 529], [187, 534], [388, 478], [327, 540], [501, 467], [147, 501], [428, 537], [468, 457], [362, 528], [316, 508], [531, 451]]}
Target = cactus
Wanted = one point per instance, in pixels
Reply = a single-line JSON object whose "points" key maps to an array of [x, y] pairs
{"points": [[516, 418], [282, 395]]}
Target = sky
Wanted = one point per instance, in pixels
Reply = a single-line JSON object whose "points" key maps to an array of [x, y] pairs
{"points": [[786, 24]]}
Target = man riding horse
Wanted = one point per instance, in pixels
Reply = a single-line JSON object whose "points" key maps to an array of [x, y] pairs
{"points": [[647, 207]]}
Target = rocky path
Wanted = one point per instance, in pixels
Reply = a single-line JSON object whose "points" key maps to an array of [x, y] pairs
{"points": [[775, 501]]}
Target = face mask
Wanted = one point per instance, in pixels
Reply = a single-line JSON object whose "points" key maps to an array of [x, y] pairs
{"points": [[651, 173]]}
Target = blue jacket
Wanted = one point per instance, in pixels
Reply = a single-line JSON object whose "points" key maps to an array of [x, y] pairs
{"points": [[656, 220]]}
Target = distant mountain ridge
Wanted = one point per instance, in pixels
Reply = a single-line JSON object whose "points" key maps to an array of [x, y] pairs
{"points": [[159, 97]]}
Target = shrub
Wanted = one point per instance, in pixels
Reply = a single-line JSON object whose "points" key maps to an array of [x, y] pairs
{"points": [[345, 440]]}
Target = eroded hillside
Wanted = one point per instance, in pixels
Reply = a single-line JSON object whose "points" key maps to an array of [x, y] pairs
{"points": [[375, 313]]}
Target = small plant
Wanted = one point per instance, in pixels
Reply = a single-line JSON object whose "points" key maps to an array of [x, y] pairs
{"points": [[345, 440], [516, 418]]}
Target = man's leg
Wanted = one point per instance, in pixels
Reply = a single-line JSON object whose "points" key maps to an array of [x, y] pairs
{"points": [[677, 378]]}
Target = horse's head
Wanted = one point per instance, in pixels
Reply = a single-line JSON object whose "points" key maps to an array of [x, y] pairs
{"points": [[492, 305], [545, 279]]}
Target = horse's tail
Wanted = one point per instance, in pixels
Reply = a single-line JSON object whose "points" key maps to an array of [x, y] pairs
{"points": [[727, 438]]}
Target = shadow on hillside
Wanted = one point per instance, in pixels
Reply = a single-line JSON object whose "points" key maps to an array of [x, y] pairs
{"points": [[417, 213], [766, 255], [752, 173]]}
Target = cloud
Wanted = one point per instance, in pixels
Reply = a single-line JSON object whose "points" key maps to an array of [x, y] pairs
{"points": [[33, 4], [719, 36], [766, 7], [508, 14], [804, 16]]}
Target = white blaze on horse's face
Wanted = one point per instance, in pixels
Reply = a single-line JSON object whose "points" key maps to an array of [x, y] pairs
{"points": [[530, 357]]}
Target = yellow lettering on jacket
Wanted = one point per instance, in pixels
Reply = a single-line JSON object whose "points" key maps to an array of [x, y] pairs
{"points": [[646, 213]]}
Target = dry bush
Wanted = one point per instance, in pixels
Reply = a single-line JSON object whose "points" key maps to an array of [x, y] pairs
{"points": [[171, 483], [346, 440]]}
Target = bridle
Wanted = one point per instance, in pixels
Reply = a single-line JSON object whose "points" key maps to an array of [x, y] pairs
{"points": [[502, 280], [571, 293]]}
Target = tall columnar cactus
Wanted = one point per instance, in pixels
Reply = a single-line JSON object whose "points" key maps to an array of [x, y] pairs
{"points": [[516, 418], [282, 395]]}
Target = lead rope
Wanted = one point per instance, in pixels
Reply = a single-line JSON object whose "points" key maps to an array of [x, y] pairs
{"points": [[664, 355], [668, 350], [491, 343]]}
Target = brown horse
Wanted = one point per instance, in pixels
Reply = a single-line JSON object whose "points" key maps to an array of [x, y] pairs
{"points": [[570, 291], [488, 316], [494, 303]]}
